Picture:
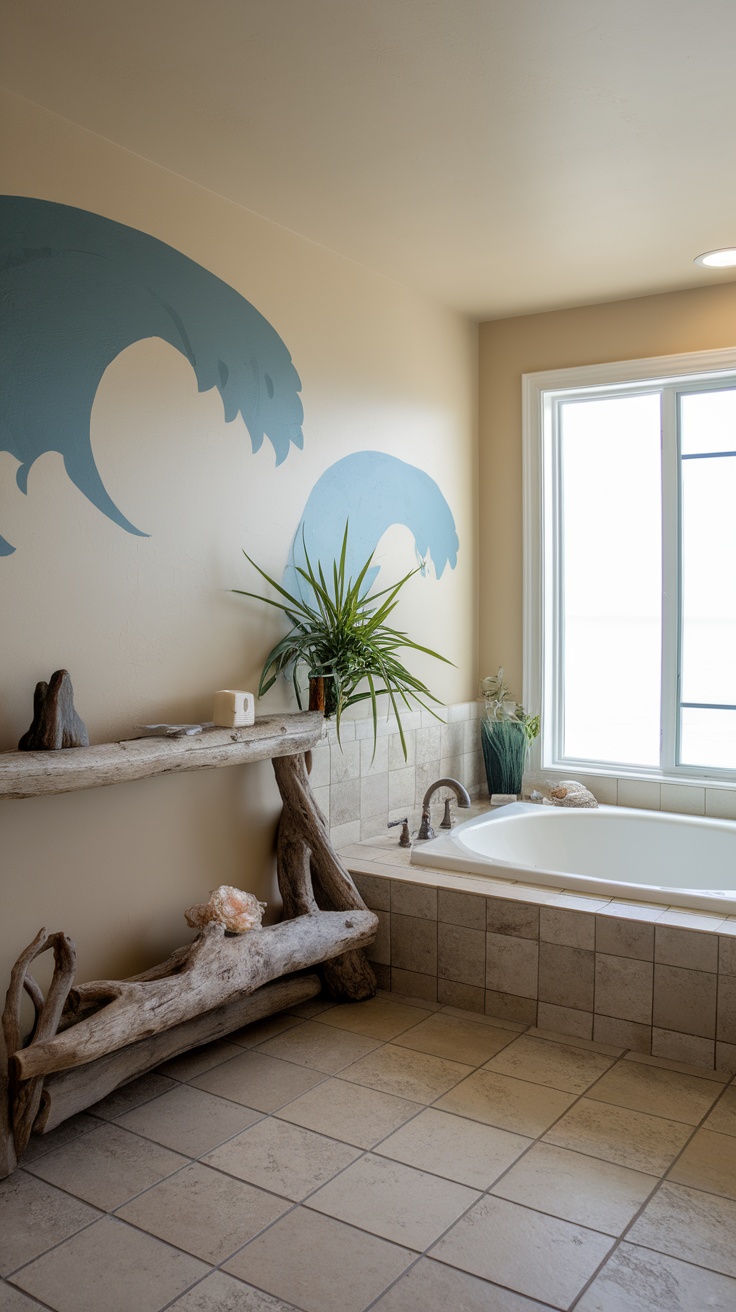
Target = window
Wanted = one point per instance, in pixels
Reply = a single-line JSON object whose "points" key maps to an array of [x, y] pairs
{"points": [[630, 565]]}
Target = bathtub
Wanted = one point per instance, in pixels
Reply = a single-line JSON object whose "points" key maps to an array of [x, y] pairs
{"points": [[651, 856]]}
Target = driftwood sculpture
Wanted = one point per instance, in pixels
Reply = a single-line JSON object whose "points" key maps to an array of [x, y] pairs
{"points": [[88, 1039], [55, 720]]}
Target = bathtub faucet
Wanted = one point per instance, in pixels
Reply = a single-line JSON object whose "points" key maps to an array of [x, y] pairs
{"points": [[463, 799]]}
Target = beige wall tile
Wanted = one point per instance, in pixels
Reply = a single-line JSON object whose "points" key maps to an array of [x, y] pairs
{"points": [[726, 1032], [623, 988], [345, 802], [639, 793], [461, 954], [373, 756], [683, 798], [683, 1047], [685, 1001], [624, 938], [508, 1006], [720, 803], [413, 984], [519, 919], [727, 955], [565, 1020], [566, 976], [512, 965], [379, 951], [375, 892], [414, 944], [575, 929], [344, 834], [461, 909], [401, 788], [428, 745], [344, 760], [627, 1033], [396, 758], [413, 900], [374, 796], [726, 1057], [685, 947], [464, 996]]}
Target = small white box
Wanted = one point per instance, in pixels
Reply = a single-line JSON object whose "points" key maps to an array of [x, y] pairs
{"points": [[233, 710]]}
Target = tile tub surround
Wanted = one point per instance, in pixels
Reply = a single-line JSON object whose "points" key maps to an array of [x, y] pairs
{"points": [[359, 791], [655, 980], [420, 1159]]}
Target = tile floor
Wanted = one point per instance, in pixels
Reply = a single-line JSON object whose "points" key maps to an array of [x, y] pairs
{"points": [[385, 1155]]}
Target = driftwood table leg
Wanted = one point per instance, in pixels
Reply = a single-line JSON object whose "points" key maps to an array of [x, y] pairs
{"points": [[311, 875]]}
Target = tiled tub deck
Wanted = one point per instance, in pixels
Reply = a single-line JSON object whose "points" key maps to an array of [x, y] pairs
{"points": [[653, 979]]}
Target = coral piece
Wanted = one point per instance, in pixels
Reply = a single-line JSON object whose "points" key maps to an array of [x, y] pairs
{"points": [[570, 793], [231, 907], [55, 720]]}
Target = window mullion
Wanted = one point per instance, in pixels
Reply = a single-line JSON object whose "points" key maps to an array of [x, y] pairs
{"points": [[670, 581]]}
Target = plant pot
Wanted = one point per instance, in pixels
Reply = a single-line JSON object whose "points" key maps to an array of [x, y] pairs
{"points": [[505, 747]]}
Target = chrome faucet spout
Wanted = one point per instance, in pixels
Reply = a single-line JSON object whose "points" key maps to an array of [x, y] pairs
{"points": [[463, 800]]}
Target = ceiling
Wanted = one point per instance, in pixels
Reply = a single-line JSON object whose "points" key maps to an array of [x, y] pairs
{"points": [[502, 156]]}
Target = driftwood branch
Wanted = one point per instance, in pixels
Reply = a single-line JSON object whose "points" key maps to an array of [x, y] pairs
{"points": [[310, 874], [55, 720], [218, 969]]}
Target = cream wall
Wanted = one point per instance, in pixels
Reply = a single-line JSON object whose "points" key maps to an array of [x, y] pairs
{"points": [[636, 329], [149, 627]]}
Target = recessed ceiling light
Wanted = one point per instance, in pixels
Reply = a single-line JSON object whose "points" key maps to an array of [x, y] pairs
{"points": [[723, 259]]}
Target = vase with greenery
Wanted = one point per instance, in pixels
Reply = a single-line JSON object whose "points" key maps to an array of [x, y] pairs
{"points": [[340, 637], [507, 732]]}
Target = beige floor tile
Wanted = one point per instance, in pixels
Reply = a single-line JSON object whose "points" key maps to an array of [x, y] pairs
{"points": [[349, 1112], [414, 1075], [466, 1151], [221, 1293], [262, 1030], [646, 1088], [194, 1063], [628, 1138], [319, 1264], [708, 1162], [284, 1158], [320, 1047], [560, 1065], [478, 1019], [41, 1144], [536, 1255], [204, 1212], [516, 1105], [12, 1300], [312, 1007], [34, 1216], [394, 1201], [132, 1095], [723, 1116], [636, 1280], [107, 1166], [110, 1267], [689, 1224], [456, 1039], [577, 1188], [258, 1081], [189, 1120], [377, 1019], [433, 1287]]}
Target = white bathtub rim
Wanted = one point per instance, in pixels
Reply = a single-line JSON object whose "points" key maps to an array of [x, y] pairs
{"points": [[447, 853]]}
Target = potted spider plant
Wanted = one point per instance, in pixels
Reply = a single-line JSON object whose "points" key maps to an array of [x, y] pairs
{"points": [[506, 732], [339, 634]]}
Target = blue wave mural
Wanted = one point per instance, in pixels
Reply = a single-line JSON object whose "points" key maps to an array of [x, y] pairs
{"points": [[76, 289], [372, 491]]}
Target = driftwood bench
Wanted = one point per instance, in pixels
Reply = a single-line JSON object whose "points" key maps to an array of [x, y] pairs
{"points": [[88, 1039]]}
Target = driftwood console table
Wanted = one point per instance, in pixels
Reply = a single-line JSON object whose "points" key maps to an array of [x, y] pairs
{"points": [[88, 1039]]}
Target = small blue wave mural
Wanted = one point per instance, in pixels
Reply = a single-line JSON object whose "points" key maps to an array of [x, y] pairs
{"points": [[76, 289], [373, 491]]}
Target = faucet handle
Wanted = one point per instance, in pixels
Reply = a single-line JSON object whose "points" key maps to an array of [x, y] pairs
{"points": [[405, 839]]}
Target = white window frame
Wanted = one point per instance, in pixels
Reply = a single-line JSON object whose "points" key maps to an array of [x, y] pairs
{"points": [[542, 644]]}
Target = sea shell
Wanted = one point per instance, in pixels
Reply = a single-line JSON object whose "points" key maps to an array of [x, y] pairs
{"points": [[231, 907], [570, 793]]}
